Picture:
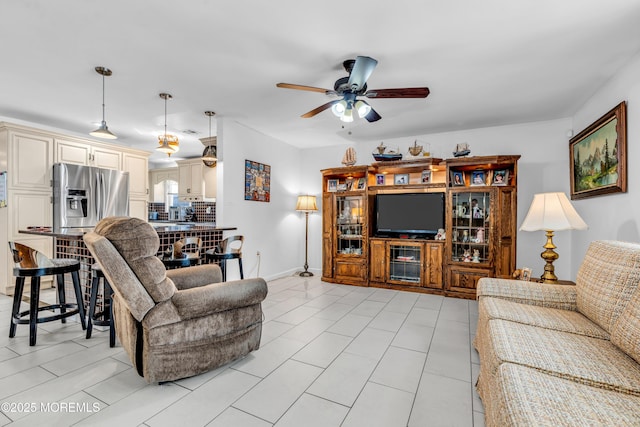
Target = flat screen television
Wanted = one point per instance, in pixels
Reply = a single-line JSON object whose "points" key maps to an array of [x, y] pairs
{"points": [[418, 215]]}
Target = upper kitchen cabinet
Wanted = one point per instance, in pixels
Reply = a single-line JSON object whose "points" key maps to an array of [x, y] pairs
{"points": [[83, 153], [196, 182], [137, 165], [30, 157]]}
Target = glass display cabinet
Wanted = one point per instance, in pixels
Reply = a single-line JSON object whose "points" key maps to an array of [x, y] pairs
{"points": [[470, 231], [349, 224]]}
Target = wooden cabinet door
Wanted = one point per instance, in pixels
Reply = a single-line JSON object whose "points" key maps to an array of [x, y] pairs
{"points": [[377, 261], [327, 236], [138, 167], [505, 257], [72, 152], [351, 270], [106, 158], [433, 265], [464, 280], [30, 161]]}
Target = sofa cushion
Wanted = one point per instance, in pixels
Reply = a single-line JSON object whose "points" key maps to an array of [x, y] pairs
{"points": [[606, 280], [544, 317], [586, 360], [532, 293], [626, 332], [138, 244], [526, 397]]}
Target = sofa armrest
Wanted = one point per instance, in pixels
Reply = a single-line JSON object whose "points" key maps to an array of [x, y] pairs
{"points": [[217, 297], [532, 293], [196, 276]]}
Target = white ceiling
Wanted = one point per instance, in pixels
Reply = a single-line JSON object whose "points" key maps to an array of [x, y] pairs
{"points": [[487, 63]]}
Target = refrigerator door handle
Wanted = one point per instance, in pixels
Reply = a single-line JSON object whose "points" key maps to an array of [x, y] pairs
{"points": [[98, 198]]}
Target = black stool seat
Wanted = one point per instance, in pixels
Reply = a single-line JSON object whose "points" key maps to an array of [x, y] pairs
{"points": [[226, 251], [31, 263], [104, 317]]}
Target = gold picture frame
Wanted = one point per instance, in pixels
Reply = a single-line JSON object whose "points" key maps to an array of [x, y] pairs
{"points": [[598, 156]]}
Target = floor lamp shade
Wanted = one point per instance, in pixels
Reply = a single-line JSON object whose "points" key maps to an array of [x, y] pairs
{"points": [[551, 212], [306, 204]]}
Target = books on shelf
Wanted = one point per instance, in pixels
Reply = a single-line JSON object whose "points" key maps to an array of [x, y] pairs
{"points": [[405, 258]]}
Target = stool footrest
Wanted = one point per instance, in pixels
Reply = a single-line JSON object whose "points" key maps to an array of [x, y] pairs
{"points": [[17, 319]]}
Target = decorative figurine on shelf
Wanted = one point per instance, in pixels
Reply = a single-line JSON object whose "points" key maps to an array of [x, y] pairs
{"points": [[461, 150], [416, 149], [465, 236], [441, 235], [466, 256], [476, 256], [349, 158], [480, 235]]}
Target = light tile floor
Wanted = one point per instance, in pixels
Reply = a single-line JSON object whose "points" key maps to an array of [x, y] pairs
{"points": [[331, 355]]}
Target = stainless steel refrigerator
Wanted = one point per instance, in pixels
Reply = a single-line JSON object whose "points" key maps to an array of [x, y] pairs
{"points": [[83, 195]]}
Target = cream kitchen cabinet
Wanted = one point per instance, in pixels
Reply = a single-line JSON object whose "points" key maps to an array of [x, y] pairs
{"points": [[83, 153], [157, 183], [190, 180], [30, 159]]}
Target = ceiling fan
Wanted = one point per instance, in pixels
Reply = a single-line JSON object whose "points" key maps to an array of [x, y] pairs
{"points": [[351, 87]]}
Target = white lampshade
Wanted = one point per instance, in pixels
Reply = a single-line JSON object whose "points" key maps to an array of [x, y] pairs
{"points": [[552, 211], [306, 204]]}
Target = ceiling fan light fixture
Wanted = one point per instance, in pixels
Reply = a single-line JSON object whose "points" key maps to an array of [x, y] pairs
{"points": [[363, 108], [347, 117], [339, 108], [103, 131]]}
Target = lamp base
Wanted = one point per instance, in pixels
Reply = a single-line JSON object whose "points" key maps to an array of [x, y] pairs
{"points": [[549, 255], [306, 274]]}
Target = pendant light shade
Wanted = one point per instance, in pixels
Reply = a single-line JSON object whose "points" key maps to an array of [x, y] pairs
{"points": [[210, 153], [168, 143], [103, 131]]}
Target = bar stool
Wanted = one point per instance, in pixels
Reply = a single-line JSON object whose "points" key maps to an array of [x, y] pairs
{"points": [[228, 249], [104, 317], [31, 263]]}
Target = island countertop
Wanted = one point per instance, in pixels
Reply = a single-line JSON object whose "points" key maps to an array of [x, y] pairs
{"points": [[161, 228]]}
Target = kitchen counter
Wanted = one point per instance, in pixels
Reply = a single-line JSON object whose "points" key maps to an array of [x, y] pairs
{"points": [[68, 243]]}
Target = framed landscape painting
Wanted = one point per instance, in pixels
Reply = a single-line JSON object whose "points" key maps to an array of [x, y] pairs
{"points": [[598, 156]]}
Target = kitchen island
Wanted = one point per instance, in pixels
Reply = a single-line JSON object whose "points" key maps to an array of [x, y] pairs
{"points": [[68, 243]]}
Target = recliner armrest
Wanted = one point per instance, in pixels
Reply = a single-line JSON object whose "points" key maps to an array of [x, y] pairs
{"points": [[196, 276], [217, 297], [532, 293]]}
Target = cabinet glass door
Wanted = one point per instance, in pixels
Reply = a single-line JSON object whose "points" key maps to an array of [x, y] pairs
{"points": [[470, 226], [349, 223], [405, 263]]}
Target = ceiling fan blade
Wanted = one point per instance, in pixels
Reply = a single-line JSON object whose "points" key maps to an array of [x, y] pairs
{"points": [[320, 109], [362, 69], [372, 116], [406, 92], [301, 87]]}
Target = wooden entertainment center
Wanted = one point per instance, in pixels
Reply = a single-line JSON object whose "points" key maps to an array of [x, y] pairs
{"points": [[480, 197]]}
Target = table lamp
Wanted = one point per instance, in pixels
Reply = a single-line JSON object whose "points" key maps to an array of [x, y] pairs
{"points": [[306, 204], [551, 212]]}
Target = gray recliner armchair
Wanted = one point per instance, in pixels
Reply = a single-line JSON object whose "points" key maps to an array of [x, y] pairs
{"points": [[177, 323]]}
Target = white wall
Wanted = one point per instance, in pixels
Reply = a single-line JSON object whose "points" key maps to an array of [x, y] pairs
{"points": [[274, 229], [543, 167], [613, 216]]}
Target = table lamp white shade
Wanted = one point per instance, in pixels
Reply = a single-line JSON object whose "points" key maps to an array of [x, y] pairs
{"points": [[306, 204], [552, 211]]}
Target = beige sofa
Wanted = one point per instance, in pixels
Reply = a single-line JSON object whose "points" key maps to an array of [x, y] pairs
{"points": [[177, 323], [554, 355]]}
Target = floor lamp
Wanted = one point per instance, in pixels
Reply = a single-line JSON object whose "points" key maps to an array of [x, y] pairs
{"points": [[551, 212], [306, 204]]}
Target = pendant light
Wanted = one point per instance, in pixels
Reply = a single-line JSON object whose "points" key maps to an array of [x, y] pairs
{"points": [[210, 153], [103, 131], [168, 143]]}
